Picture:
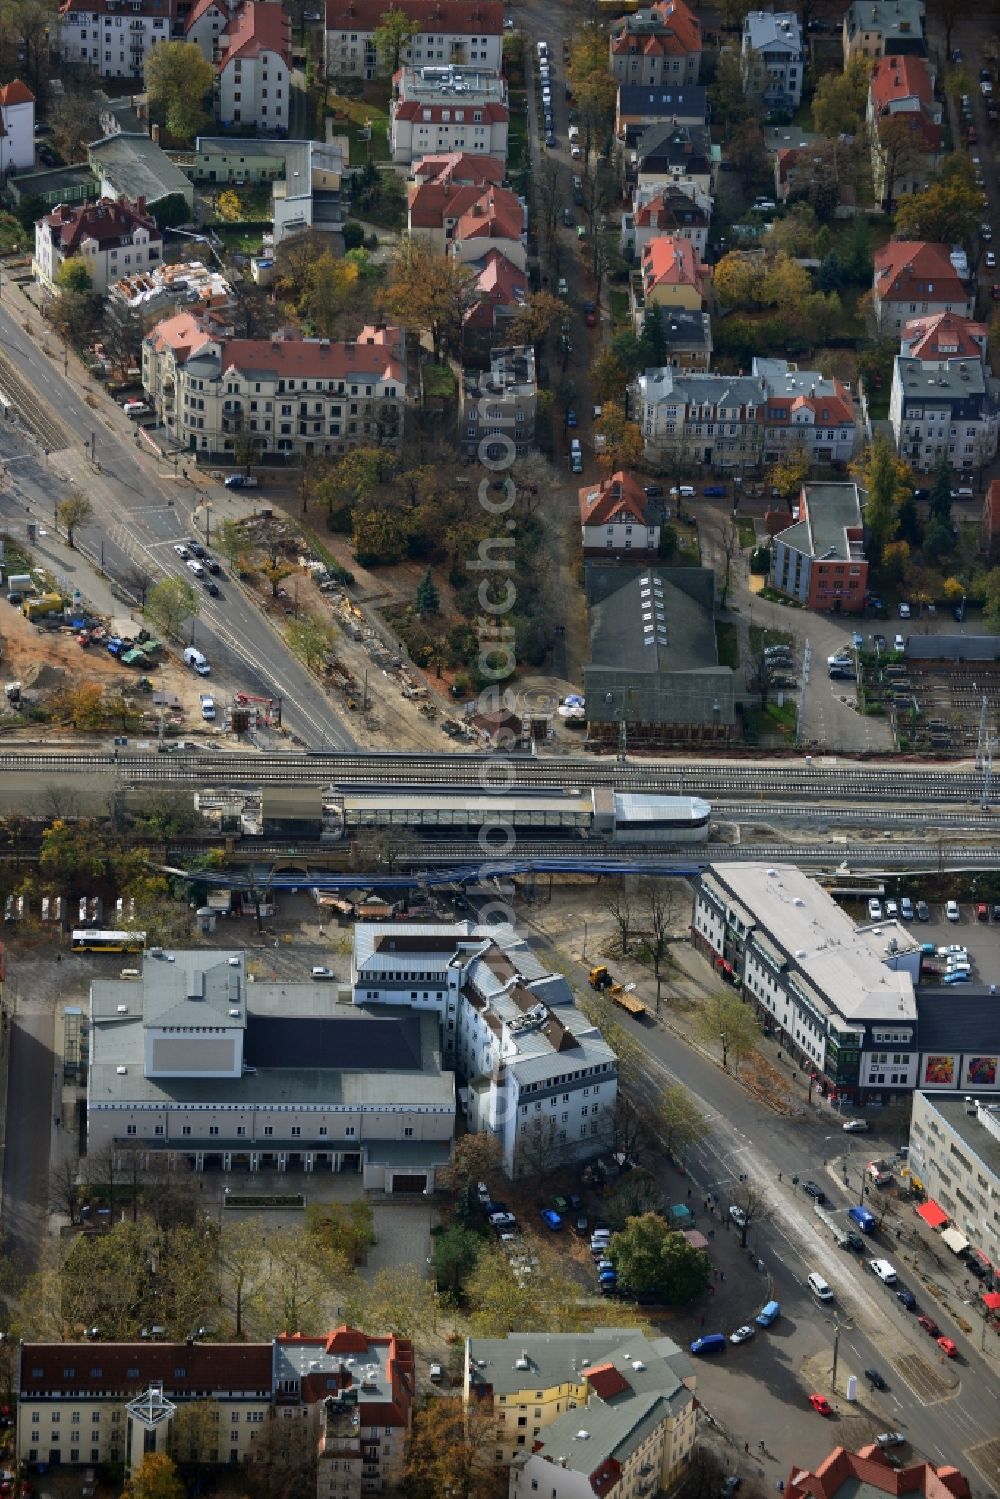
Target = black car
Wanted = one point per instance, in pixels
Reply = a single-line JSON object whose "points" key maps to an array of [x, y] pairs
{"points": [[875, 1379], [213, 565], [854, 1242], [653, 491], [923, 914], [813, 1189], [996, 912], [907, 1298], [212, 589]]}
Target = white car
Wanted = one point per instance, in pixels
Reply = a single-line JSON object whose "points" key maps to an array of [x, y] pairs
{"points": [[991, 260], [575, 152], [321, 974], [207, 707], [874, 909], [194, 566], [856, 1127], [192, 657], [898, 643], [951, 910], [891, 910], [738, 1216], [904, 611], [741, 1335], [181, 550], [562, 287]]}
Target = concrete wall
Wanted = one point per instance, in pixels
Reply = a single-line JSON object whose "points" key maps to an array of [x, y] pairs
{"points": [[953, 647]]}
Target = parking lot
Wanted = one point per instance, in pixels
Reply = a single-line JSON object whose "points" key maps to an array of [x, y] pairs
{"points": [[981, 938]]}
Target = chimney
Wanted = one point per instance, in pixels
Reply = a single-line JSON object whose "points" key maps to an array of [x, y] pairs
{"points": [[140, 203]]}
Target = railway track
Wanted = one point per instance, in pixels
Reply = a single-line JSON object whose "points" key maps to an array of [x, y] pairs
{"points": [[47, 428], [747, 784]]}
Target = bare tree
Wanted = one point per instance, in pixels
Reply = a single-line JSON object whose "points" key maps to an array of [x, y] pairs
{"points": [[538, 1150], [636, 1193], [759, 677], [64, 1188], [751, 1202], [619, 902], [138, 582], [625, 1128], [729, 541], [659, 911]]}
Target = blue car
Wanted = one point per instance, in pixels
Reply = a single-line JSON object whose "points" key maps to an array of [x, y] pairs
{"points": [[551, 1219], [571, 418], [714, 491], [956, 978]]}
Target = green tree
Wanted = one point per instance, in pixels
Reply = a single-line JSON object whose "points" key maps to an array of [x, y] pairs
{"points": [[428, 599], [232, 541], [311, 638], [724, 1019], [155, 1477], [329, 290], [392, 37], [940, 495], [948, 211], [399, 1300], [938, 541], [840, 99], [170, 603], [651, 1256], [378, 536], [229, 206], [75, 510], [453, 1256], [881, 479], [341, 1230], [74, 276], [731, 105], [178, 78]]}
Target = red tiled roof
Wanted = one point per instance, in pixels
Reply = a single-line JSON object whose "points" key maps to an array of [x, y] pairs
{"points": [[605, 1380], [417, 109], [945, 335], [500, 285], [870, 1467], [255, 29], [454, 17], [154, 8], [830, 409], [16, 92], [459, 168], [671, 206], [615, 498], [375, 352], [107, 221], [496, 214], [900, 77], [672, 262], [128, 1368], [680, 33], [906, 269], [434, 204], [183, 333], [201, 6]]}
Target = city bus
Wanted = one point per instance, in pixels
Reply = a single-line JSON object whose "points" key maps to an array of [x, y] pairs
{"points": [[85, 940]]}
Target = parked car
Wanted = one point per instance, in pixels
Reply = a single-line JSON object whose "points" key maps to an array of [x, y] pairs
{"points": [[891, 910], [814, 1190], [551, 1219], [590, 314], [821, 1404], [889, 1438], [874, 908], [742, 1334], [923, 911], [904, 610], [951, 910], [857, 1126], [906, 908], [562, 287], [907, 1298], [875, 1379], [571, 418], [929, 1325], [714, 491], [738, 1216], [240, 481]]}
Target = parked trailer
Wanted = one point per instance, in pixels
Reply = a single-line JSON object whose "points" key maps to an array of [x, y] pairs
{"points": [[839, 1234]]}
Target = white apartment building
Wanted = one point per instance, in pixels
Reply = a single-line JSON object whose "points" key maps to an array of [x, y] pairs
{"points": [[254, 76], [955, 1155], [944, 408], [497, 407], [206, 22], [533, 1070], [450, 31], [833, 1000], [112, 238], [114, 37], [776, 38], [17, 128], [440, 110], [282, 395], [807, 409], [700, 420]]}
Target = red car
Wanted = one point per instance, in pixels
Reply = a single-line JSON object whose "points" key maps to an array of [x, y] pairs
{"points": [[590, 314], [821, 1404], [948, 1346], [929, 1325]]}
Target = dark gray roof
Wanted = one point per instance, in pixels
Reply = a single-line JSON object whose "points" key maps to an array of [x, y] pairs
{"points": [[961, 1018], [367, 1045], [686, 145], [688, 102]]}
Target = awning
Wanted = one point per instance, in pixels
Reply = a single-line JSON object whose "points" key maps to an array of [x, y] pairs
{"points": [[991, 1300], [956, 1242], [933, 1215], [698, 1240]]}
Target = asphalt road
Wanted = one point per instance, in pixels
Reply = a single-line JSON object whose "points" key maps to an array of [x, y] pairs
{"points": [[141, 509]]}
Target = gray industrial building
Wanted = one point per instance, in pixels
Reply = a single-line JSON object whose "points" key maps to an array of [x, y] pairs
{"points": [[654, 677]]}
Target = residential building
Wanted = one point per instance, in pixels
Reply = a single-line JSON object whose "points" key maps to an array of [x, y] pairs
{"points": [[445, 217], [195, 1063], [156, 294], [80, 1404], [52, 188], [497, 408], [205, 23], [902, 90], [671, 276], [17, 128], [501, 291], [305, 396], [947, 408], [812, 976], [633, 1394], [844, 1474], [306, 177], [618, 519], [653, 680], [458, 169], [448, 110], [794, 153], [820, 559], [876, 28], [989, 534], [776, 39], [955, 1155], [683, 213], [113, 38], [113, 238], [254, 71], [807, 409], [640, 105], [697, 420], [657, 45], [450, 32], [133, 166], [535, 1073], [915, 278], [944, 336], [688, 337], [681, 154]]}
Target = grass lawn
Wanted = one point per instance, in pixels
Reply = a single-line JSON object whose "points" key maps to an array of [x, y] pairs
{"points": [[747, 533], [235, 237], [518, 154], [727, 642], [759, 638], [350, 118], [439, 381], [773, 720], [619, 309]]}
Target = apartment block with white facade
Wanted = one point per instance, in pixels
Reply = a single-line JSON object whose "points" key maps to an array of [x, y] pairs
{"points": [[114, 37], [944, 409], [955, 1155], [254, 68], [776, 39], [17, 128], [308, 396], [112, 238], [700, 420], [534, 1072], [449, 31], [807, 409], [443, 110]]}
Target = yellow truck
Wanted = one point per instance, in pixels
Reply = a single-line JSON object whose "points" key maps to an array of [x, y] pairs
{"points": [[45, 603], [619, 994]]}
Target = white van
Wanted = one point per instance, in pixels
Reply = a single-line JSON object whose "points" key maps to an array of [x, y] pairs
{"points": [[193, 658], [884, 1270], [194, 566], [819, 1287]]}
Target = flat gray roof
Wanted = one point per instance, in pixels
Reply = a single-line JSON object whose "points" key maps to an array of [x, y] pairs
{"points": [[982, 1140], [830, 511], [138, 167]]}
